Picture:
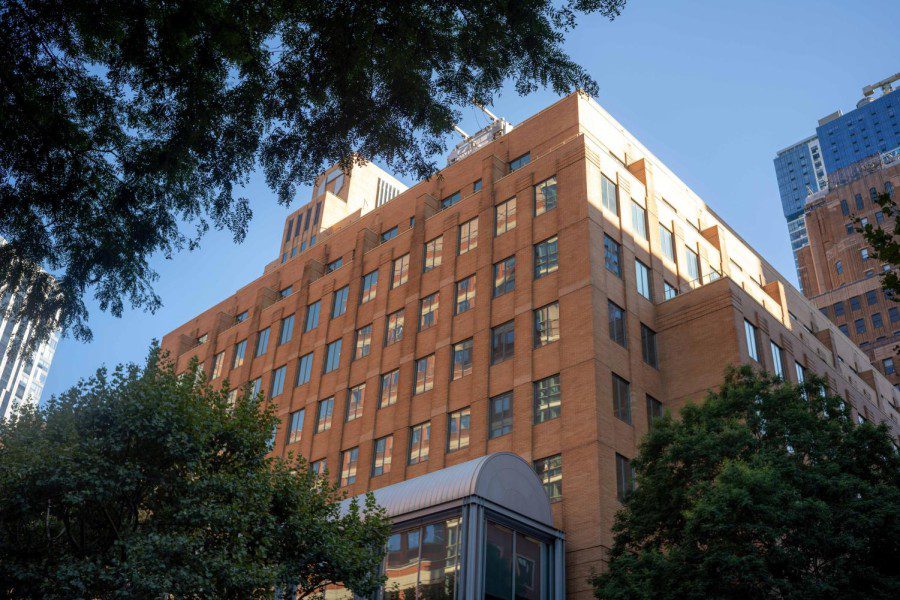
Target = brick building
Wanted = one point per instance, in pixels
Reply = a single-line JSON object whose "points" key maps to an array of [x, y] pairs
{"points": [[547, 295], [836, 269]]}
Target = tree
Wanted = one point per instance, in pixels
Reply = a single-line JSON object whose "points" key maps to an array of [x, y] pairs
{"points": [[885, 244], [125, 123], [765, 490], [144, 484]]}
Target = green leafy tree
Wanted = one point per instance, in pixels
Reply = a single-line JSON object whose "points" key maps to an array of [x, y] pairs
{"points": [[885, 243], [765, 490], [143, 484], [127, 127]]}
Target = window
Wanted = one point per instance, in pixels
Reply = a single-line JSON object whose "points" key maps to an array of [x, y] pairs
{"points": [[333, 356], [693, 264], [356, 398], [255, 386], [433, 252], [838, 309], [545, 196], [849, 228], [369, 287], [654, 410], [424, 374], [800, 372], [304, 368], [503, 341], [894, 314], [839, 267], [610, 194], [465, 294], [639, 220], [278, 380], [546, 257], [547, 399], [871, 297], [504, 276], [218, 361], [450, 200], [318, 467], [262, 342], [458, 430], [669, 290], [476, 186], [877, 321], [777, 359], [334, 265], [286, 292], [617, 324], [648, 346], [339, 304], [888, 364], [363, 341], [667, 242], [312, 316], [349, 460], [546, 325], [394, 328], [287, 330], [381, 457], [468, 236], [390, 383], [844, 329], [400, 274], [462, 358], [750, 334], [860, 325], [519, 162], [419, 440], [549, 470], [500, 418], [642, 277], [845, 208], [389, 234], [242, 317], [864, 254], [624, 478], [324, 414], [612, 253], [855, 303], [295, 426], [621, 391], [428, 311], [505, 216], [859, 201]]}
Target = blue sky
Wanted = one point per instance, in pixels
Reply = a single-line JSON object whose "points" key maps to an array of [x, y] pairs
{"points": [[713, 88]]}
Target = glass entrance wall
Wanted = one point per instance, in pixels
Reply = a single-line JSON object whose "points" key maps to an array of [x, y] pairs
{"points": [[423, 562], [514, 565]]}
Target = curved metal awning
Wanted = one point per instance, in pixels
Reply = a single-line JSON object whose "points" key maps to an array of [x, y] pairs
{"points": [[502, 478]]}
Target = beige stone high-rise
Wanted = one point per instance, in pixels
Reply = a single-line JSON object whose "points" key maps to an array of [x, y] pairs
{"points": [[546, 295]]}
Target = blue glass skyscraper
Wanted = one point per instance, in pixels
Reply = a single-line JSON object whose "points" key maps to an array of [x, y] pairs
{"points": [[800, 172]]}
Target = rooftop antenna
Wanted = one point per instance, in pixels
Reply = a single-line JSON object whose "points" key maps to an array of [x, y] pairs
{"points": [[470, 143], [464, 135]]}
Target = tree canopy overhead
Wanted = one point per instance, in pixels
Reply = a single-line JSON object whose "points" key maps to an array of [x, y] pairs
{"points": [[766, 490], [123, 121]]}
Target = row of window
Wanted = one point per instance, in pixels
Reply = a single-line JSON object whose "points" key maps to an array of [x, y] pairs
{"points": [[859, 325], [873, 198], [855, 304]]}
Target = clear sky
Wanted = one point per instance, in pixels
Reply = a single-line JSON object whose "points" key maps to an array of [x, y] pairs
{"points": [[713, 88]]}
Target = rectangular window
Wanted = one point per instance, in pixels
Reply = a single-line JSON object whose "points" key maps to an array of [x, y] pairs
{"points": [[468, 236], [389, 234], [871, 297], [400, 274], [318, 467], [612, 256], [547, 399], [333, 356], [369, 287], [458, 430], [334, 265], [349, 460], [888, 364], [519, 162], [240, 349], [462, 358], [255, 386], [854, 303], [428, 311], [339, 303], [381, 456], [777, 359], [621, 398], [894, 314], [465, 294], [654, 410], [295, 426], [262, 342], [545, 196], [669, 290], [424, 374], [860, 325], [504, 276], [546, 325], [324, 414], [877, 321], [549, 470], [287, 330], [500, 416], [693, 264], [394, 328], [648, 346], [503, 341], [363, 341], [356, 399], [476, 186], [278, 380], [667, 242], [618, 326], [546, 257], [312, 316], [434, 250], [450, 200], [505, 216], [304, 368], [838, 309], [286, 292], [390, 383], [642, 277], [218, 361], [800, 372], [610, 194], [242, 317], [639, 220], [624, 478], [750, 335], [419, 441]]}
